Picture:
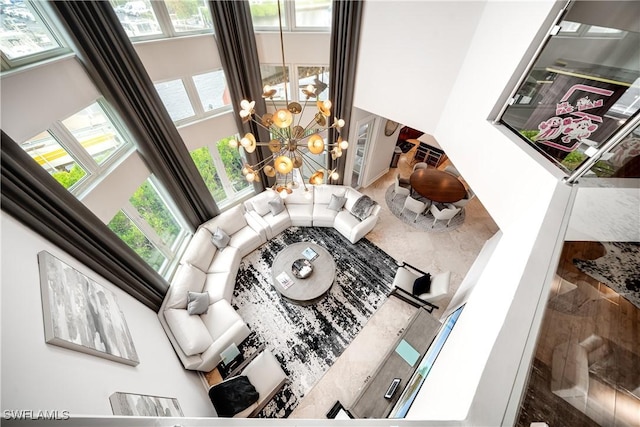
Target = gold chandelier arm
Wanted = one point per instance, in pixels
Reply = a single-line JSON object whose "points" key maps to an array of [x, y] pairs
{"points": [[307, 157], [304, 106]]}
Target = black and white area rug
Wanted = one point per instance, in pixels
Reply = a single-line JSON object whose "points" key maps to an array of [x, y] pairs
{"points": [[619, 269], [425, 219], [307, 340]]}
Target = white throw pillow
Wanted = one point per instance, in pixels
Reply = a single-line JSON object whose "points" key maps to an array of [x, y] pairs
{"points": [[276, 206], [197, 302], [336, 203], [220, 238]]}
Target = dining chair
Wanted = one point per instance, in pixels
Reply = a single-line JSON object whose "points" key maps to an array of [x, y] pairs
{"points": [[414, 205], [443, 214], [452, 170], [463, 202], [420, 165], [398, 189]]}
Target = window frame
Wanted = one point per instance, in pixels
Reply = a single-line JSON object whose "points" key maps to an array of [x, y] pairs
{"points": [[172, 253], [163, 18], [94, 171], [232, 196], [290, 24], [7, 64]]}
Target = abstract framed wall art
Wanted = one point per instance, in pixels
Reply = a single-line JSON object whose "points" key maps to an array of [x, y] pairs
{"points": [[79, 314], [141, 405]]}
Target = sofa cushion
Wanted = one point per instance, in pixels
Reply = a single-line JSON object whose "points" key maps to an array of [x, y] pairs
{"points": [[230, 220], [190, 331], [220, 238], [352, 197], [323, 216], [322, 193], [220, 317], [246, 240], [187, 279], [300, 196], [260, 202], [336, 203], [301, 215], [225, 261], [220, 286], [200, 250], [197, 303], [276, 206]]}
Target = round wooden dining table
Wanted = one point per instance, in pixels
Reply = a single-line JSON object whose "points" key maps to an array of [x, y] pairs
{"points": [[437, 185]]}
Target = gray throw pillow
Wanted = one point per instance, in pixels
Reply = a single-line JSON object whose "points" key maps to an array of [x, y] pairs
{"points": [[197, 303], [220, 238], [336, 203], [276, 206]]}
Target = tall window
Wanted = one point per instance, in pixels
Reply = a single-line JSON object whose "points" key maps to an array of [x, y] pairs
{"points": [[174, 97], [192, 98], [582, 88], [25, 35], [221, 169], [78, 149], [145, 19], [317, 76], [149, 226], [298, 15], [274, 75]]}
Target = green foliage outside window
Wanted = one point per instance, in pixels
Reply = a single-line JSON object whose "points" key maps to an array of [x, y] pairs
{"points": [[70, 177], [202, 158], [152, 208], [183, 8], [232, 163], [133, 237], [264, 9]]}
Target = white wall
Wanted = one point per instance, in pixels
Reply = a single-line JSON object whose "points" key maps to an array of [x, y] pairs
{"points": [[35, 97], [40, 376], [197, 55], [410, 54]]}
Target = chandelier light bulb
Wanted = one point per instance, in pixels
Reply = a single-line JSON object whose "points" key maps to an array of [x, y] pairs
{"points": [[316, 144], [335, 176], [282, 118], [283, 165], [233, 143], [344, 144], [283, 193], [327, 104], [338, 123], [246, 105], [251, 177], [245, 171]]}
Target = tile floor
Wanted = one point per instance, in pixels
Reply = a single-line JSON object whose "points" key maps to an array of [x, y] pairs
{"points": [[434, 252]]}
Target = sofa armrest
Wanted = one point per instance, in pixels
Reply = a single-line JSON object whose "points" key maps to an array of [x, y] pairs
{"points": [[361, 229], [237, 333], [257, 223]]}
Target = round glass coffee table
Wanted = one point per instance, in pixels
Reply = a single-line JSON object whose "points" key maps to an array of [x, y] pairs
{"points": [[289, 263]]}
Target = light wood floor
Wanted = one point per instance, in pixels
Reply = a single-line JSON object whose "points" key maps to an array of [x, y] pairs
{"points": [[574, 316]]}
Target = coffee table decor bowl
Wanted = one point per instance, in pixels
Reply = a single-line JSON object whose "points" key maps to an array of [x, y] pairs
{"points": [[299, 280], [302, 268]]}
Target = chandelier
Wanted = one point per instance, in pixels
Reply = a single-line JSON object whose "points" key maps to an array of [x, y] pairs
{"points": [[292, 145]]}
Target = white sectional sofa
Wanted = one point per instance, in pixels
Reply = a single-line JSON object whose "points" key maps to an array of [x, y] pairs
{"points": [[207, 268]]}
